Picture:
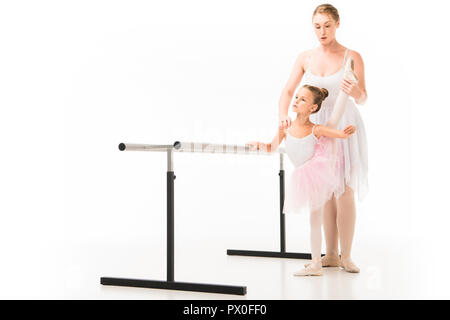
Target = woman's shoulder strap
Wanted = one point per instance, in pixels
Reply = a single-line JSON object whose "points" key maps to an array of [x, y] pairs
{"points": [[309, 54], [345, 56]]}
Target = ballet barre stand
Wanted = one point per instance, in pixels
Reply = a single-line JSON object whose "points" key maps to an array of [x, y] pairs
{"points": [[170, 283]]}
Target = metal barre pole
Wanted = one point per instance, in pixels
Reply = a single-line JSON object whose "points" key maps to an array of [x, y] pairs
{"points": [[201, 147]]}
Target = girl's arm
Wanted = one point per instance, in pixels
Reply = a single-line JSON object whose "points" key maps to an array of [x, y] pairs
{"points": [[269, 147], [276, 141], [325, 131]]}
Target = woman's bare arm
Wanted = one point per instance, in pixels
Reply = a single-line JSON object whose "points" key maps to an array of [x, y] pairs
{"points": [[292, 83], [361, 95]]}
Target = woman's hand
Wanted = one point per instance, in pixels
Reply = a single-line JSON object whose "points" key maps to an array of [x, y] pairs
{"points": [[257, 146], [351, 88], [285, 122], [349, 130]]}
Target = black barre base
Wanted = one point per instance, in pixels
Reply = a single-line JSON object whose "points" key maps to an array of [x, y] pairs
{"points": [[174, 285], [269, 254]]}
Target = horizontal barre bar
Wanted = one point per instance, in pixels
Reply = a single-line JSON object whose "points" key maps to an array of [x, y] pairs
{"points": [[195, 147], [144, 147]]}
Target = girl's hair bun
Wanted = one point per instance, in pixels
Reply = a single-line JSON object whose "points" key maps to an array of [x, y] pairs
{"points": [[319, 94]]}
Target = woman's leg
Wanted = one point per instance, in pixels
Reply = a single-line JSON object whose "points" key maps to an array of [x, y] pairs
{"points": [[346, 219], [331, 229], [315, 267]]}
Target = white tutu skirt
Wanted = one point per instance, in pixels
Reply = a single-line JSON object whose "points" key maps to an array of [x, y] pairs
{"points": [[354, 170], [313, 183]]}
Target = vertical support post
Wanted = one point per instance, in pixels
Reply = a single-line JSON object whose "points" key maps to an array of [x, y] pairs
{"points": [[282, 216], [170, 217]]}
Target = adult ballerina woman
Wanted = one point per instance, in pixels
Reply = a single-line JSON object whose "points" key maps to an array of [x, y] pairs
{"points": [[315, 67]]}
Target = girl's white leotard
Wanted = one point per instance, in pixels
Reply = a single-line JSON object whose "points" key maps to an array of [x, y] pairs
{"points": [[354, 171], [299, 150]]}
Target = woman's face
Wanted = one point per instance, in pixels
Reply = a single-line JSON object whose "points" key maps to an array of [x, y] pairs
{"points": [[325, 28], [304, 102]]}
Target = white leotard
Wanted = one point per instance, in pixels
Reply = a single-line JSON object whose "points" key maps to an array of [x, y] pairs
{"points": [[299, 150]]}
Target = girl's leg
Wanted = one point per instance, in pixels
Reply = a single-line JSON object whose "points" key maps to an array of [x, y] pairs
{"points": [[316, 219], [331, 259], [346, 225], [315, 268]]}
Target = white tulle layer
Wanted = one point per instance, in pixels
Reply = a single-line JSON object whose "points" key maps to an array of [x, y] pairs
{"points": [[354, 171]]}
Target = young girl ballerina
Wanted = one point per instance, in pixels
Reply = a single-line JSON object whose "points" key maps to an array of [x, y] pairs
{"points": [[315, 177]]}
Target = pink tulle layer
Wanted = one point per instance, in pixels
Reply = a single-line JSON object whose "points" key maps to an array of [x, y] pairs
{"points": [[313, 183]]}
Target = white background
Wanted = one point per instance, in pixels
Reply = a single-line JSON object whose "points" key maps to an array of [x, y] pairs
{"points": [[79, 77]]}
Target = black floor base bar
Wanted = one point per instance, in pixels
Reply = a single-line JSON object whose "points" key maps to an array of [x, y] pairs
{"points": [[275, 254], [269, 254], [174, 285]]}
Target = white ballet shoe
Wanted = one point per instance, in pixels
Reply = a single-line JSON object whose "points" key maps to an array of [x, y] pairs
{"points": [[349, 266], [309, 271]]}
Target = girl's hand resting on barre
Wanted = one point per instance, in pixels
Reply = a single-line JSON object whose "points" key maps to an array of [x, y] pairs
{"points": [[349, 130], [255, 145]]}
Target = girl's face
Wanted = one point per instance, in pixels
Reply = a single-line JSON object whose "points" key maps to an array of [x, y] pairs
{"points": [[304, 102], [325, 28]]}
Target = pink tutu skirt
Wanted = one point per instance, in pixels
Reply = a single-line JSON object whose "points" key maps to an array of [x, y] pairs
{"points": [[312, 184]]}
